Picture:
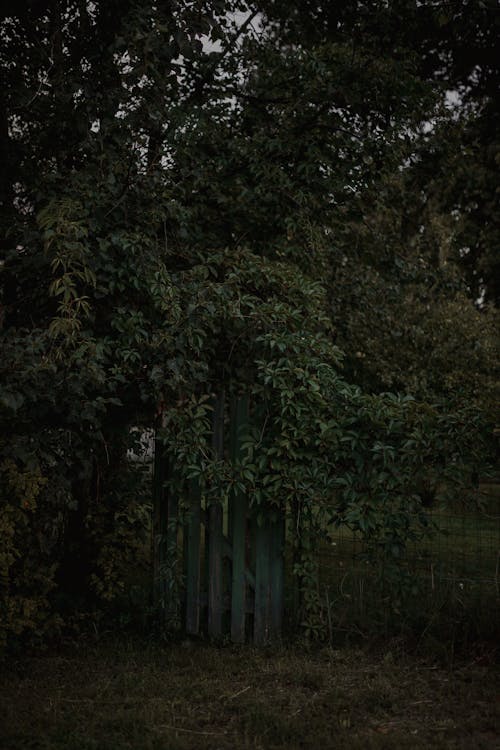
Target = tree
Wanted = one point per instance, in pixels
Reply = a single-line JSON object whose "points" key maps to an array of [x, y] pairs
{"points": [[173, 170]]}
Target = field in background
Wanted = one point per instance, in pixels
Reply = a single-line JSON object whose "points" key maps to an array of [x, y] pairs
{"points": [[456, 572]]}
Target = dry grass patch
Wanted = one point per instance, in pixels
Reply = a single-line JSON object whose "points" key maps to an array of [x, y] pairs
{"points": [[132, 696]]}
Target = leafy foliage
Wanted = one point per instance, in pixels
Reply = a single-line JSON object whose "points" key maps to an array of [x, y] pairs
{"points": [[26, 572], [319, 450], [186, 190]]}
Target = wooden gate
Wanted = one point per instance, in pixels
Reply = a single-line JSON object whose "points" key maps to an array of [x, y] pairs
{"points": [[232, 560]]}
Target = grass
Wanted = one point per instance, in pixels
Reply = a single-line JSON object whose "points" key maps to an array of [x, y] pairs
{"points": [[144, 695], [135, 695], [457, 572]]}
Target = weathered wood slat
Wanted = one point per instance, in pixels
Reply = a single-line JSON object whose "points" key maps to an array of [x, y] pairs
{"points": [[296, 525], [262, 625], [228, 562], [227, 549], [160, 517], [169, 570], [226, 602], [239, 580], [238, 527], [215, 519], [277, 572], [192, 554]]}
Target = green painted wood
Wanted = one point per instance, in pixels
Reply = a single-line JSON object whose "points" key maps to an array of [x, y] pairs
{"points": [[193, 559], [296, 537], [251, 546], [215, 604], [205, 568], [277, 574], [227, 549], [238, 527], [160, 520], [168, 571], [262, 624], [239, 571], [215, 535], [233, 454]]}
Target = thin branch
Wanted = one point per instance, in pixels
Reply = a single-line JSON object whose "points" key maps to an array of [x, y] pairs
{"points": [[210, 73]]}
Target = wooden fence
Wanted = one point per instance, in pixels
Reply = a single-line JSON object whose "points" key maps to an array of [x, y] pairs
{"points": [[225, 566]]}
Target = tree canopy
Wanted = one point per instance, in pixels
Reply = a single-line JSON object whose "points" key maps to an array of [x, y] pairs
{"points": [[207, 194]]}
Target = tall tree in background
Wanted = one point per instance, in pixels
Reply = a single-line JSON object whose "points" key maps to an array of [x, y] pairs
{"points": [[415, 254]]}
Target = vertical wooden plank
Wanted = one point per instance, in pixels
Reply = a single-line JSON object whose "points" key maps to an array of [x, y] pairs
{"points": [[233, 454], [159, 522], [165, 553], [296, 535], [169, 568], [192, 556], [238, 526], [277, 574], [205, 567], [251, 542], [215, 532], [262, 629], [257, 417]]}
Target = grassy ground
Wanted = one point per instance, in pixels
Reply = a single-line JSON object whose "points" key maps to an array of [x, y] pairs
{"points": [[457, 571], [137, 696], [133, 695]]}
